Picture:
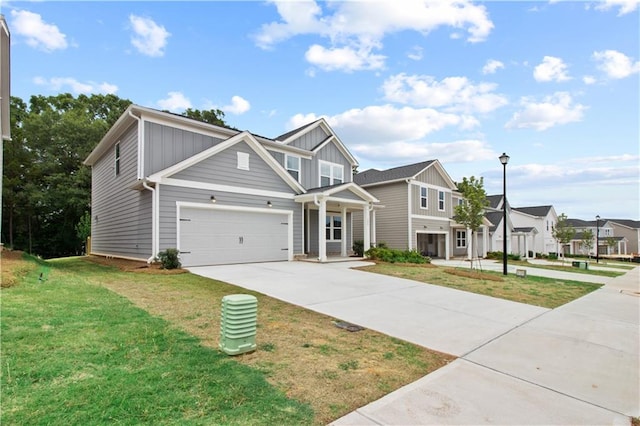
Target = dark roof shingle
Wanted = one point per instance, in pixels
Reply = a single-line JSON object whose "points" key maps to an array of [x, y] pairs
{"points": [[375, 176]]}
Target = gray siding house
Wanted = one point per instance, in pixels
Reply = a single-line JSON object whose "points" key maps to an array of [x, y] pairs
{"points": [[416, 211], [218, 195]]}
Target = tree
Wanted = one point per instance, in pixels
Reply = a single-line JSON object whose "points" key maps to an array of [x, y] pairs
{"points": [[212, 116], [587, 239], [611, 243], [563, 232], [471, 212]]}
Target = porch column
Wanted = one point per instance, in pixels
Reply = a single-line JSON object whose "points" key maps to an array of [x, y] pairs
{"points": [[322, 231], [366, 219], [343, 237], [526, 247], [447, 241], [373, 227], [485, 240], [469, 243]]}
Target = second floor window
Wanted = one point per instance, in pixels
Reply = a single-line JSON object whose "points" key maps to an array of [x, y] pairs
{"points": [[423, 197], [331, 173], [117, 159], [293, 166], [334, 228], [441, 201]]}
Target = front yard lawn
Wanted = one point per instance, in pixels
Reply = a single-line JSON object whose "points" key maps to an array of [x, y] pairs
{"points": [[539, 291], [92, 344]]}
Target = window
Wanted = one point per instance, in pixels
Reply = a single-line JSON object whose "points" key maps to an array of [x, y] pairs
{"points": [[461, 239], [117, 159], [334, 228], [331, 174], [423, 197], [460, 201], [243, 160], [441, 201], [293, 166]]}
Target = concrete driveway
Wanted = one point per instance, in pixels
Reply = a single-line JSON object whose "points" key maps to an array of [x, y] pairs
{"points": [[519, 364]]}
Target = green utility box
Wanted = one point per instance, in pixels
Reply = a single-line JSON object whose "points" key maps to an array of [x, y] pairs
{"points": [[238, 324], [580, 264]]}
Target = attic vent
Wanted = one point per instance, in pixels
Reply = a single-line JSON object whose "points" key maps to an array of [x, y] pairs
{"points": [[243, 161]]}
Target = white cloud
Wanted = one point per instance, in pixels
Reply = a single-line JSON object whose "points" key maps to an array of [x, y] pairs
{"points": [[39, 34], [343, 58], [75, 86], [452, 93], [554, 110], [176, 102], [551, 69], [616, 64], [416, 53], [492, 66], [149, 38], [386, 123], [626, 6], [400, 153], [355, 28], [589, 79], [238, 106]]}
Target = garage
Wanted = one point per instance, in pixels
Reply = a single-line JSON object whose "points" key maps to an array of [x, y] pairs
{"points": [[218, 236]]}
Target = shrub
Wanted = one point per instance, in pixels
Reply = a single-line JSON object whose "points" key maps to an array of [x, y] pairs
{"points": [[170, 258], [497, 255], [396, 256], [358, 248]]}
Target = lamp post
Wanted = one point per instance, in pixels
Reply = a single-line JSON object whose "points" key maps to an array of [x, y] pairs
{"points": [[597, 238], [504, 159]]}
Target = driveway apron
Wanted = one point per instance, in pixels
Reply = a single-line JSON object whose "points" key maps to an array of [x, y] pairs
{"points": [[519, 364]]}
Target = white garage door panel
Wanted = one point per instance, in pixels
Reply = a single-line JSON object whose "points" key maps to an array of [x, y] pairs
{"points": [[210, 237]]}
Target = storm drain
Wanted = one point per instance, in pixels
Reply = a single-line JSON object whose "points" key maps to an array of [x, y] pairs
{"points": [[348, 326]]}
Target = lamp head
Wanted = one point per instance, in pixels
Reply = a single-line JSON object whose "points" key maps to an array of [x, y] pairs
{"points": [[504, 159]]}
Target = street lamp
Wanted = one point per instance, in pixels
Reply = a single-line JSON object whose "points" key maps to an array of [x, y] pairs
{"points": [[504, 159], [597, 238]]}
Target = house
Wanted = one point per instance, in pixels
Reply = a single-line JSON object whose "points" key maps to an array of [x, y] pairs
{"points": [[627, 229], [5, 92], [534, 230], [416, 211], [614, 237], [494, 215], [219, 195]]}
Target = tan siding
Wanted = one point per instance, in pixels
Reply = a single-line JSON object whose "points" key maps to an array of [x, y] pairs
{"points": [[392, 220], [432, 176]]}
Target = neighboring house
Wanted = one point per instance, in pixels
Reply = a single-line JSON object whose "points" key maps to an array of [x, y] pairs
{"points": [[417, 207], [494, 215], [218, 195], [615, 236], [533, 233], [5, 93]]}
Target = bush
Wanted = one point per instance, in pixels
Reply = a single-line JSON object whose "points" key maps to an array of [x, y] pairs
{"points": [[170, 259], [396, 256], [358, 248]]}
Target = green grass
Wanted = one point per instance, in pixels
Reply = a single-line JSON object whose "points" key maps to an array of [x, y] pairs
{"points": [[539, 291], [568, 268], [76, 353]]}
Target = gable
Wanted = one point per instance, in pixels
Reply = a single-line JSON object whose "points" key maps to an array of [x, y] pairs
{"points": [[432, 176], [310, 139], [347, 195], [223, 168]]}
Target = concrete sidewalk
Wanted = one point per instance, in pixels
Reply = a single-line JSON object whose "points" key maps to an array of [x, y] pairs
{"points": [[577, 364], [519, 364]]}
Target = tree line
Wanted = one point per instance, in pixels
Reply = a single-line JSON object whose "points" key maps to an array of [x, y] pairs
{"points": [[46, 190]]}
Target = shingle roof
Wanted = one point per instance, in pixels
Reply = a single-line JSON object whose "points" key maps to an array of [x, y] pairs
{"points": [[539, 211], [375, 176], [525, 229], [579, 223], [495, 218], [287, 135], [625, 222], [494, 201]]}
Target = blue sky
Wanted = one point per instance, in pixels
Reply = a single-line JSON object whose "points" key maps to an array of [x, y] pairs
{"points": [[555, 85]]}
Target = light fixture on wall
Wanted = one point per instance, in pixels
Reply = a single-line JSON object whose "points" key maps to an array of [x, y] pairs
{"points": [[213, 198], [269, 204]]}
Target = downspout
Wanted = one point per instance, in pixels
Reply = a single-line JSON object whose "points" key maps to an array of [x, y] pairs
{"points": [[154, 243], [140, 145], [409, 211]]}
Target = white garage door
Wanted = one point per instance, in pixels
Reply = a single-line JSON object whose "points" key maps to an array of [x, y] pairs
{"points": [[218, 237]]}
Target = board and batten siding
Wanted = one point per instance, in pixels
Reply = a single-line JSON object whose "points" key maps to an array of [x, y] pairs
{"points": [[120, 216], [165, 146], [433, 177], [222, 168], [311, 168], [169, 195], [310, 140], [392, 220]]}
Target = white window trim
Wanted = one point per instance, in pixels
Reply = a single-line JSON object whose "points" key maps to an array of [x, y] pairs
{"points": [[243, 160], [117, 159], [458, 232], [426, 197], [331, 228], [444, 201], [286, 165], [332, 166]]}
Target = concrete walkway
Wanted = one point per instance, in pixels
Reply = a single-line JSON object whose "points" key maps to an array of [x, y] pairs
{"points": [[519, 364]]}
